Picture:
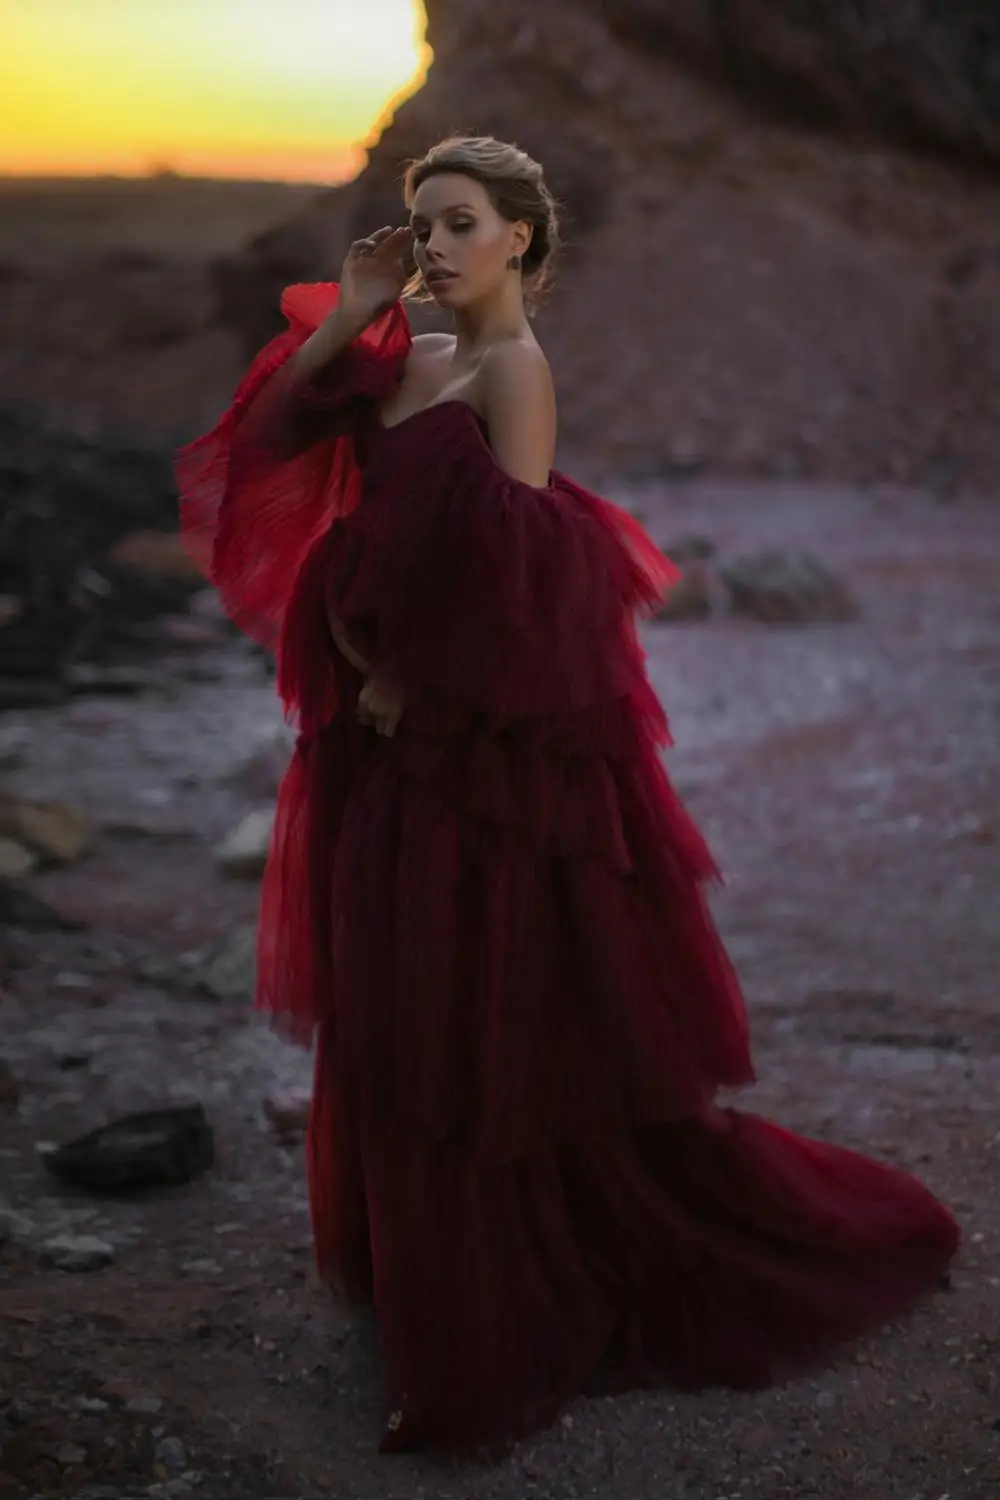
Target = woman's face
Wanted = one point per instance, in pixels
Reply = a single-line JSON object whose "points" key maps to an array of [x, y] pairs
{"points": [[462, 244]]}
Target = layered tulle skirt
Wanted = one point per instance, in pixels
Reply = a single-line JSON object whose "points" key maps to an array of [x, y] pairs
{"points": [[524, 1015]]}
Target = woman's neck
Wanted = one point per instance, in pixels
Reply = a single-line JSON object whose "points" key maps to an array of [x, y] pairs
{"points": [[496, 318]]}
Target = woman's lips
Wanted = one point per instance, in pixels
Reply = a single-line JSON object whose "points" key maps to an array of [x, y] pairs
{"points": [[438, 278]]}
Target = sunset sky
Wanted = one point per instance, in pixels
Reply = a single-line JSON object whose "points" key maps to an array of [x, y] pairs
{"points": [[237, 88]]}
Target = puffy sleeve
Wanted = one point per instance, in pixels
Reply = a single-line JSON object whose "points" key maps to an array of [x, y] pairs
{"points": [[259, 489], [496, 595]]}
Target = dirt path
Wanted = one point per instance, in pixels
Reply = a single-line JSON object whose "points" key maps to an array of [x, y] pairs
{"points": [[848, 778]]}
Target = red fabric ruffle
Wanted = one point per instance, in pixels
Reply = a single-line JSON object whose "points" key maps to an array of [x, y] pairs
{"points": [[281, 464]]}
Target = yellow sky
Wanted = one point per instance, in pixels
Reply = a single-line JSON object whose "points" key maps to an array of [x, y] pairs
{"points": [[241, 88]]}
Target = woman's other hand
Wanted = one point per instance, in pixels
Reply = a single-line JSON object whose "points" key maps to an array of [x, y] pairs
{"points": [[381, 706]]}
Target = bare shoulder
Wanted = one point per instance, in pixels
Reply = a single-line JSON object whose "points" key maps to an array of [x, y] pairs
{"points": [[519, 396], [428, 345], [518, 364]]}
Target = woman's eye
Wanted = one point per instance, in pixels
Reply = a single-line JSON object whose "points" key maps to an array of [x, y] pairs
{"points": [[462, 226]]}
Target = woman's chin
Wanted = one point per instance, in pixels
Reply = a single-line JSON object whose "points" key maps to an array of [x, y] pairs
{"points": [[445, 293]]}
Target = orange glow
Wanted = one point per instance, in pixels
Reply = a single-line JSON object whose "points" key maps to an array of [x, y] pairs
{"points": [[278, 89]]}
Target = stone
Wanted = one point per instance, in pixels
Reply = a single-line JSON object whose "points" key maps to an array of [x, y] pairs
{"points": [[157, 553], [10, 1088], [54, 831], [288, 1113], [15, 1228], [20, 908], [244, 851], [165, 1147], [690, 598], [170, 1452], [229, 971], [15, 860], [124, 680], [144, 1406], [70, 1453], [786, 587], [77, 1253], [15, 745]]}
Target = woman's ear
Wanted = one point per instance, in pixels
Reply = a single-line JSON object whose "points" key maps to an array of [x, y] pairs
{"points": [[521, 237]]}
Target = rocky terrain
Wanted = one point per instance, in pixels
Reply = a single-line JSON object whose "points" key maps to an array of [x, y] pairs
{"points": [[173, 1342], [776, 336]]}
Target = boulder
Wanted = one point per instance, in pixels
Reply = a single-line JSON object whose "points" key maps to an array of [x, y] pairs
{"points": [[164, 1147], [786, 588], [243, 852], [53, 831]]}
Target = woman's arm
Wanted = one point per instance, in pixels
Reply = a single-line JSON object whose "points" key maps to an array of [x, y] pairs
{"points": [[520, 410], [345, 648], [372, 277]]}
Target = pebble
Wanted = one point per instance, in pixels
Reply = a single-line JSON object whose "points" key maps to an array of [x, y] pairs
{"points": [[71, 1453], [244, 851], [15, 860], [171, 1452], [92, 1404], [144, 1406], [77, 1252], [15, 1227]]}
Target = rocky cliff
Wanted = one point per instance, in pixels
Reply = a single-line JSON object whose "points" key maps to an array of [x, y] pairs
{"points": [[783, 228]]}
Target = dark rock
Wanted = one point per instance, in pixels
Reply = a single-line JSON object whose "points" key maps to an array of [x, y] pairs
{"points": [[228, 971], [19, 908], [151, 1148], [689, 599], [786, 588], [66, 500], [77, 1253], [910, 69], [10, 1088]]}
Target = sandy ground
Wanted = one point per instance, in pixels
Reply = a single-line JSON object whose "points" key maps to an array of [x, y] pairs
{"points": [[848, 778]]}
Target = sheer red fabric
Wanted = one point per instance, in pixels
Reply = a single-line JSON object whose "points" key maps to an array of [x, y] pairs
{"points": [[495, 926]]}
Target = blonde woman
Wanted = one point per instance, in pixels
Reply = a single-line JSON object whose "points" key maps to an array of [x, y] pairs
{"points": [[484, 901]]}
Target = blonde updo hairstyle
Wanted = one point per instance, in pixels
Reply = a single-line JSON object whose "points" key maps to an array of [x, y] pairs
{"points": [[516, 187]]}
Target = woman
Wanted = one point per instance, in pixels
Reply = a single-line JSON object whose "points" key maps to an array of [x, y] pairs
{"points": [[483, 897]]}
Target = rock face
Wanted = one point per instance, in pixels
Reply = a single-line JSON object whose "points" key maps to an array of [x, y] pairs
{"points": [[737, 283], [782, 245], [913, 69]]}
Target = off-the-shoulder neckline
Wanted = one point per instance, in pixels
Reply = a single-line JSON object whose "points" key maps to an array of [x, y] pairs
{"points": [[423, 410], [479, 422]]}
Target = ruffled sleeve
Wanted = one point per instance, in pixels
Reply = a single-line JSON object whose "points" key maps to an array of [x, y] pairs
{"points": [[495, 595], [259, 490]]}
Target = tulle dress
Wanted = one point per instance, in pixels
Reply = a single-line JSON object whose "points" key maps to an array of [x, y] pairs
{"points": [[493, 926]]}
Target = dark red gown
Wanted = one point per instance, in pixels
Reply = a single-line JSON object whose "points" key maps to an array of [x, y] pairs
{"points": [[494, 926]]}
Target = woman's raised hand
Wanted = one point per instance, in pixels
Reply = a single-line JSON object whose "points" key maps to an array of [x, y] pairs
{"points": [[374, 273]]}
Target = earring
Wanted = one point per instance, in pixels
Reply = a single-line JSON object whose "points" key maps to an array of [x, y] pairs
{"points": [[514, 264]]}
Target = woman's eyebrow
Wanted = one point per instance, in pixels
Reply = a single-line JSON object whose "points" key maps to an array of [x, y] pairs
{"points": [[451, 209]]}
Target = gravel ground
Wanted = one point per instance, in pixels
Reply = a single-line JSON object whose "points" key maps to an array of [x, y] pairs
{"points": [[847, 776]]}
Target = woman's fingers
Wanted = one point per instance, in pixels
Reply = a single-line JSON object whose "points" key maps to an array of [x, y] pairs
{"points": [[395, 241], [380, 709]]}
